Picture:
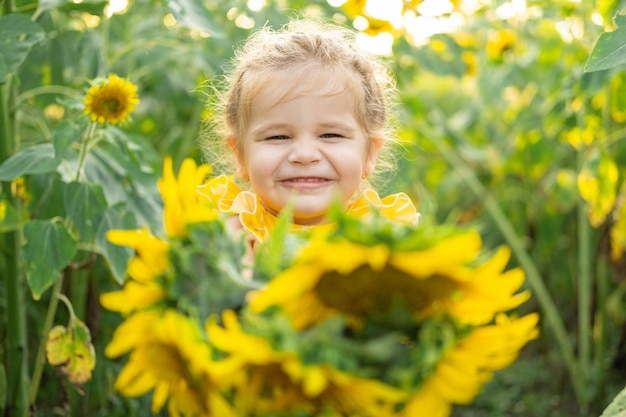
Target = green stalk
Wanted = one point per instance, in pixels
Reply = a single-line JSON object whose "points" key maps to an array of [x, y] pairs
{"points": [[601, 319], [585, 285], [550, 311], [41, 351], [84, 148], [17, 349]]}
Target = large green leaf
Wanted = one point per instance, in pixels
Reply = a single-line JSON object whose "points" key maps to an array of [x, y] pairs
{"points": [[85, 205], [48, 248], [610, 48], [191, 14], [116, 217], [17, 35], [36, 159], [65, 135], [617, 408]]}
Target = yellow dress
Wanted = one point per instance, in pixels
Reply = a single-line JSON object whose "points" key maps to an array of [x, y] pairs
{"points": [[227, 197]]}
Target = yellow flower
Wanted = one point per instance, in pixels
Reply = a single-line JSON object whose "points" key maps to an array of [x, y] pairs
{"points": [[168, 355], [271, 381], [150, 260], [183, 204], [133, 297], [111, 100], [470, 363], [500, 42], [340, 277]]}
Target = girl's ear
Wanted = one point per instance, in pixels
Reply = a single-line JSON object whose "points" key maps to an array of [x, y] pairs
{"points": [[239, 163], [372, 154]]}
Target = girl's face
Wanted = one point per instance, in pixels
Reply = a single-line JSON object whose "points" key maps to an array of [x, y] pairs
{"points": [[304, 143]]}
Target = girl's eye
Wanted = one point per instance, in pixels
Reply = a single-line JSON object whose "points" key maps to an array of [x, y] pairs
{"points": [[331, 135], [277, 137]]}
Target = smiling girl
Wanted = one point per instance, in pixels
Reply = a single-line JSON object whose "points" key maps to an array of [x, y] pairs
{"points": [[305, 114]]}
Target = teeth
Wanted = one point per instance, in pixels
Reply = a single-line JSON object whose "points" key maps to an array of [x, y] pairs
{"points": [[307, 180]]}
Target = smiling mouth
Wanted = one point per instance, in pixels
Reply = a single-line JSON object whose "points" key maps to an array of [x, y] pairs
{"points": [[305, 182]]}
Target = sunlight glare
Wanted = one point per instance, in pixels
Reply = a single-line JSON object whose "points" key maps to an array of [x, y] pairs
{"points": [[256, 5], [244, 22], [421, 28], [360, 23], [434, 8], [597, 19], [337, 3], [381, 44], [511, 9], [389, 10], [115, 7]]}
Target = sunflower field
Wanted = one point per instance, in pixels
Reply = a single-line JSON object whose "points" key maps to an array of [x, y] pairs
{"points": [[122, 293]]}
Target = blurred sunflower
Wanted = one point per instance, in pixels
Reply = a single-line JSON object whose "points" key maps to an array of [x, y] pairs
{"points": [[470, 363], [111, 100], [169, 355], [340, 277], [271, 381], [150, 260], [183, 205]]}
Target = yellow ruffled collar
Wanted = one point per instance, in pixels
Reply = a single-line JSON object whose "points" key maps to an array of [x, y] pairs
{"points": [[229, 198]]}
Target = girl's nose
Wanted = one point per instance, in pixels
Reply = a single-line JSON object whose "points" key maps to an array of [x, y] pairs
{"points": [[304, 151]]}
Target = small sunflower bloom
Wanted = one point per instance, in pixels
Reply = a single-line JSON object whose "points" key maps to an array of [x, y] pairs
{"points": [[183, 204], [339, 277], [111, 100]]}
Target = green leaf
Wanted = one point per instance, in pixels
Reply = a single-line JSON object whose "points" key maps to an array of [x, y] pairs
{"points": [[17, 35], [193, 15], [65, 135], [116, 217], [85, 205], [72, 348], [617, 408], [36, 159], [95, 7], [48, 248], [610, 48]]}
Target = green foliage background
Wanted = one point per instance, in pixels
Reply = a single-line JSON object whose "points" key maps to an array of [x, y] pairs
{"points": [[487, 128]]}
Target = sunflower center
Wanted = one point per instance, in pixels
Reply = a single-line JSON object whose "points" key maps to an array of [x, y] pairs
{"points": [[112, 105], [365, 290]]}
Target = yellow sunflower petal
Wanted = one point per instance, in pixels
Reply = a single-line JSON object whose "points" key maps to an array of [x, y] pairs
{"points": [[133, 297]]}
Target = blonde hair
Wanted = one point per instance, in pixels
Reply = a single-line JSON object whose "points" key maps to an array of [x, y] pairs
{"points": [[298, 48]]}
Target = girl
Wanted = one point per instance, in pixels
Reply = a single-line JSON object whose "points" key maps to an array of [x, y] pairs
{"points": [[305, 115]]}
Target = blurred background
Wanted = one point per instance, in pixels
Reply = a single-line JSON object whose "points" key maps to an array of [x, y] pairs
{"points": [[500, 129]]}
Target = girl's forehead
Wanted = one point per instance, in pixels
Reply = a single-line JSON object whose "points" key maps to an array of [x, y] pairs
{"points": [[282, 86]]}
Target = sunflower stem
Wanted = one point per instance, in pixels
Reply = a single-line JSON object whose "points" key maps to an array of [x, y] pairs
{"points": [[83, 149], [41, 351], [550, 311], [585, 284], [17, 347]]}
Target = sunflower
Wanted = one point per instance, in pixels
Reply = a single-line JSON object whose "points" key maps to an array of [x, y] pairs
{"points": [[273, 382], [111, 100], [169, 355], [183, 205], [470, 363], [340, 277]]}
